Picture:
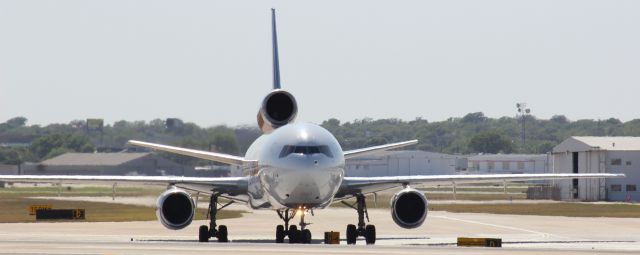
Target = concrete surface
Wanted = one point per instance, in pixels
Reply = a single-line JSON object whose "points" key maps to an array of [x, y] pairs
{"points": [[255, 232]]}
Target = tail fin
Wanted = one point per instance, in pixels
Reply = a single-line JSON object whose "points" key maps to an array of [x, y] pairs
{"points": [[276, 61]]}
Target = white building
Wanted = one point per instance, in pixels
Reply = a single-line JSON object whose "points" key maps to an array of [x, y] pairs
{"points": [[508, 164], [405, 163], [599, 155]]}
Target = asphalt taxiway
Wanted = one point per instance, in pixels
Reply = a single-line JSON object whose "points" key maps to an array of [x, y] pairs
{"points": [[254, 233]]}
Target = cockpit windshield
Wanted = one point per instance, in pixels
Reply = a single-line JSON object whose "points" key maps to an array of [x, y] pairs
{"points": [[305, 150]]}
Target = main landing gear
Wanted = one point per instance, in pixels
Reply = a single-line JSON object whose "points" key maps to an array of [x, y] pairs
{"points": [[366, 231], [206, 232], [295, 236]]}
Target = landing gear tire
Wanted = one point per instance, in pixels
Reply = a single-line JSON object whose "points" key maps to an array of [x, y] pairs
{"points": [[280, 234], [203, 234], [294, 234], [370, 234], [364, 230], [352, 234], [305, 236], [222, 234]]}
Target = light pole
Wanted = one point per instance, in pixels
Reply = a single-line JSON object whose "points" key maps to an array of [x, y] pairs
{"points": [[523, 111]]}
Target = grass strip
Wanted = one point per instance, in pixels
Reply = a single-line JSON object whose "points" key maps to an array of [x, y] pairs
{"points": [[546, 209]]}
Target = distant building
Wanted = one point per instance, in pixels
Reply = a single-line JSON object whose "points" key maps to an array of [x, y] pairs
{"points": [[430, 163], [105, 164], [14, 145], [218, 171], [586, 154], [508, 163], [8, 169], [405, 163]]}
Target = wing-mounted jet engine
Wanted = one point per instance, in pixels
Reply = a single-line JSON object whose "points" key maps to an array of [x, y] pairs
{"points": [[409, 208], [278, 109], [175, 209]]}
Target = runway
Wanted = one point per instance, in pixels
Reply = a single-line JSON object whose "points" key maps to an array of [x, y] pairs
{"points": [[254, 233]]}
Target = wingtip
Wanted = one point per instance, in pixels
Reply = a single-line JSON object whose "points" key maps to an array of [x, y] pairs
{"points": [[410, 142], [134, 142]]}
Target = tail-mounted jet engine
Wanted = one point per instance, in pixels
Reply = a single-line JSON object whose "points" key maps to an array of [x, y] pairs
{"points": [[278, 109], [409, 208], [175, 208]]}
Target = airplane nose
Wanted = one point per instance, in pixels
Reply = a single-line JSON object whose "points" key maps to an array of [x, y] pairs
{"points": [[310, 187]]}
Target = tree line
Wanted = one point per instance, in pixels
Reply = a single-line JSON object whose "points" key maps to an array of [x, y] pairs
{"points": [[472, 133]]}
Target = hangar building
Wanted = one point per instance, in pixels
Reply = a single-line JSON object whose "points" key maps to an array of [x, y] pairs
{"points": [[508, 164], [588, 154], [392, 163], [106, 164]]}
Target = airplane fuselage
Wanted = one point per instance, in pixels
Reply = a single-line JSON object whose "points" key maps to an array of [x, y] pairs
{"points": [[299, 165]]}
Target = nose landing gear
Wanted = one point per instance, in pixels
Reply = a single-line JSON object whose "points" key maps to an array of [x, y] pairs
{"points": [[364, 230], [206, 232], [295, 236]]}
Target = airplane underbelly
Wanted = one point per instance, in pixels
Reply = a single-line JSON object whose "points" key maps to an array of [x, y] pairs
{"points": [[294, 188]]}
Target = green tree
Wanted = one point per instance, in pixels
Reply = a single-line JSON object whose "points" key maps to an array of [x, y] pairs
{"points": [[476, 117], [17, 122], [490, 142], [43, 146], [545, 147], [225, 143], [560, 119]]}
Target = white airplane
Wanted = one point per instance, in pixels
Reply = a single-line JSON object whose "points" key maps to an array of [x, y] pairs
{"points": [[292, 169]]}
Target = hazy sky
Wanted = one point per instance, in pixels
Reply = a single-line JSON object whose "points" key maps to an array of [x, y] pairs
{"points": [[209, 62]]}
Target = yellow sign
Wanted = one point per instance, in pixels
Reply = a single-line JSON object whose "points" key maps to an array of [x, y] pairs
{"points": [[34, 208], [483, 242], [332, 237]]}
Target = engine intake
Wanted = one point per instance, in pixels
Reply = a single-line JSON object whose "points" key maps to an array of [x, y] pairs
{"points": [[175, 208], [278, 109], [409, 208]]}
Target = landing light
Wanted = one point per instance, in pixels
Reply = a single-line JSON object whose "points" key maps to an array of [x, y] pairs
{"points": [[302, 210]]}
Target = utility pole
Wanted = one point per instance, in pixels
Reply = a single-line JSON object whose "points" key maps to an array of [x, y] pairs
{"points": [[523, 112]]}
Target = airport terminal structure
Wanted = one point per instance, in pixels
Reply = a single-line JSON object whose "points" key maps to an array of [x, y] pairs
{"points": [[574, 155]]}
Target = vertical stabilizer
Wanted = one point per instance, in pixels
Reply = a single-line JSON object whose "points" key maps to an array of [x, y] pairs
{"points": [[276, 61]]}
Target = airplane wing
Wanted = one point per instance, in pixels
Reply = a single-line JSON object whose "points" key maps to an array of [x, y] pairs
{"points": [[234, 187], [227, 185], [217, 157], [363, 185], [376, 149]]}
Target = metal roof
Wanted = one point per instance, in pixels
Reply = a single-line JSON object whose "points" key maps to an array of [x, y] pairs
{"points": [[590, 143], [93, 159]]}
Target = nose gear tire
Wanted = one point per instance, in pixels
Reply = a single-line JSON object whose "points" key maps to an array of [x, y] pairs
{"points": [[203, 234], [352, 234], [280, 234], [370, 234]]}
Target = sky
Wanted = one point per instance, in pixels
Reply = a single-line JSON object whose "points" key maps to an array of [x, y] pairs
{"points": [[209, 62]]}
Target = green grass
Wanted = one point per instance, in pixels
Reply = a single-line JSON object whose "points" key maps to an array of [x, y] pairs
{"points": [[475, 197], [72, 191], [546, 209], [385, 198], [15, 203], [476, 189], [570, 209]]}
